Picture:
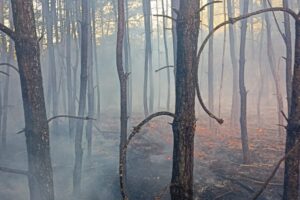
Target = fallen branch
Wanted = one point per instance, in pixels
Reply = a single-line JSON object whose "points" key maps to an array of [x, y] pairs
{"points": [[14, 171], [168, 66], [124, 150], [259, 192]]}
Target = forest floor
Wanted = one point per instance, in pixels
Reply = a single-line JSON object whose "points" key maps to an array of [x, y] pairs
{"points": [[219, 172]]}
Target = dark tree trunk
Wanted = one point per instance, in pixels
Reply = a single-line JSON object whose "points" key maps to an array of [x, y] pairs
{"points": [[122, 77], [36, 125], [82, 98], [166, 55], [243, 92], [291, 174], [184, 122]]}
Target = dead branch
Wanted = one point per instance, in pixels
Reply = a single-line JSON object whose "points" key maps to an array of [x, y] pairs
{"points": [[69, 116], [249, 189], [165, 67], [284, 115], [233, 20], [219, 120], [124, 150], [208, 4], [166, 16], [61, 116], [259, 192], [6, 74], [9, 32], [10, 65], [14, 171]]}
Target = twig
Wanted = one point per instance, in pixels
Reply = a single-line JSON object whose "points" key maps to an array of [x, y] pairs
{"points": [[284, 115], [61, 116], [165, 16], [8, 31], [10, 65], [205, 5], [6, 74], [14, 171], [168, 66], [259, 192], [124, 150]]}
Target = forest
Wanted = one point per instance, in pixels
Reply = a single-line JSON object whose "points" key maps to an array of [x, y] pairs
{"points": [[149, 99]]}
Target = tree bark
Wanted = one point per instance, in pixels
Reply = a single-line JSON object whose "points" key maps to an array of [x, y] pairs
{"points": [[36, 125], [184, 122], [291, 173], [243, 92]]}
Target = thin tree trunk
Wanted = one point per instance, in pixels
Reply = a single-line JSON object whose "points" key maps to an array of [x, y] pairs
{"points": [[291, 173], [243, 92], [122, 78], [275, 74], [184, 122], [36, 125], [234, 62], [82, 98], [166, 55], [210, 76], [288, 43]]}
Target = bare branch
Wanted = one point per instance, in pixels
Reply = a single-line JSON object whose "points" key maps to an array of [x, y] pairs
{"points": [[124, 150], [14, 171], [166, 16], [284, 115], [276, 22], [9, 32], [168, 66], [219, 120], [236, 19], [10, 65], [61, 116], [208, 4], [69, 116], [259, 192], [1, 72]]}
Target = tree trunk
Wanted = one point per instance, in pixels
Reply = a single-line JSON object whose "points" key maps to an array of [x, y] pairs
{"points": [[184, 122], [291, 173], [36, 125], [289, 53], [275, 74], [122, 77], [82, 98], [210, 76], [243, 92], [235, 92], [166, 55]]}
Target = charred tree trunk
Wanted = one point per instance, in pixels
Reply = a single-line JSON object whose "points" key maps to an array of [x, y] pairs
{"points": [[82, 98], [122, 77], [243, 92], [36, 126], [291, 174], [184, 122]]}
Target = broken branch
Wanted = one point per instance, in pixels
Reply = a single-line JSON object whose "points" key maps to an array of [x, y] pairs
{"points": [[168, 66]]}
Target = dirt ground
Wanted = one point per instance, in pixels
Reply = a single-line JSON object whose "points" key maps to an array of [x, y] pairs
{"points": [[218, 169]]}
